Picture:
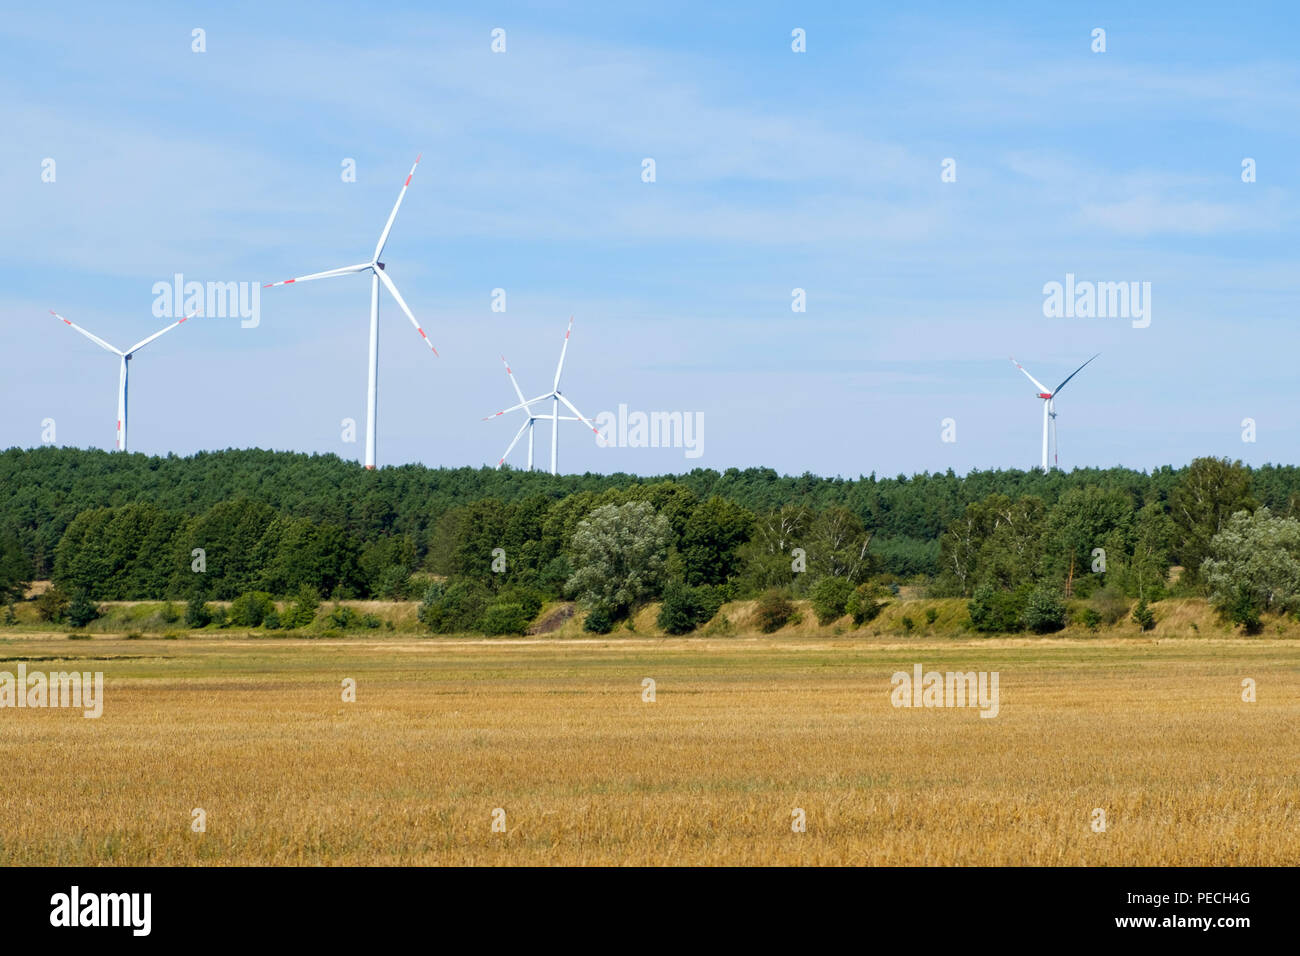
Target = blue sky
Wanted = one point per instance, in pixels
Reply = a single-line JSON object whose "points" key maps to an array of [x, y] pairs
{"points": [[774, 170]]}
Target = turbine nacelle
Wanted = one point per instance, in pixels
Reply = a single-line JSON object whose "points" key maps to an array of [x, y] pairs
{"points": [[379, 276], [125, 356], [555, 396], [1049, 401]]}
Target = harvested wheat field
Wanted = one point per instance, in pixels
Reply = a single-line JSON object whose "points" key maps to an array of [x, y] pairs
{"points": [[742, 731]]}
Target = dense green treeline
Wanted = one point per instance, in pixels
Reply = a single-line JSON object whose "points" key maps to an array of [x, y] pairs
{"points": [[43, 489], [224, 524]]}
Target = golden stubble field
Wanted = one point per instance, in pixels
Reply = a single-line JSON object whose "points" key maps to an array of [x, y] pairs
{"points": [[741, 732]]}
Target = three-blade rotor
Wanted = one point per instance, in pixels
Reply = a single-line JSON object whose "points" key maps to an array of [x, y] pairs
{"points": [[374, 265]]}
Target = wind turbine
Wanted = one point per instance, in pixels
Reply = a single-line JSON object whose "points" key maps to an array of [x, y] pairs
{"points": [[1049, 402], [126, 358], [556, 397], [377, 275]]}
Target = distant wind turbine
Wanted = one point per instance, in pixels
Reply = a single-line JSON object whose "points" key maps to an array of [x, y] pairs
{"points": [[555, 396], [377, 275], [126, 359], [1049, 405]]}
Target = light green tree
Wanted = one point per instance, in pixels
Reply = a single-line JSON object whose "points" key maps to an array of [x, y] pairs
{"points": [[619, 552], [1254, 563]]}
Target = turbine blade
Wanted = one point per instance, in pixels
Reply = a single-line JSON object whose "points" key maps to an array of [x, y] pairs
{"points": [[524, 404], [328, 273], [560, 368], [388, 226], [90, 335], [581, 417], [511, 447], [518, 391], [383, 277], [139, 345], [1072, 374], [1041, 386]]}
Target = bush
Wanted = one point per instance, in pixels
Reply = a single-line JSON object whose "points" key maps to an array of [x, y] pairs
{"points": [[342, 617], [1242, 608], [1044, 611], [454, 607], [505, 618], [169, 613], [773, 612], [197, 614], [530, 599], [931, 615], [81, 609], [219, 616], [52, 604], [11, 616], [830, 596], [1142, 614], [599, 620], [1090, 619], [995, 611], [908, 624], [1111, 605], [685, 608], [272, 619], [250, 609], [302, 611], [865, 603]]}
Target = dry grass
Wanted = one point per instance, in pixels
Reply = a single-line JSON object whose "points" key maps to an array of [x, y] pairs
{"points": [[743, 730]]}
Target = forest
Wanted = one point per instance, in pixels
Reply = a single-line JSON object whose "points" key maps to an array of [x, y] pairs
{"points": [[485, 549]]}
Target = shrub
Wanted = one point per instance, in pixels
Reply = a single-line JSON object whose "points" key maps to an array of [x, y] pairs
{"points": [[454, 607], [830, 596], [773, 612], [219, 616], [685, 608], [996, 611], [81, 609], [931, 615], [250, 609], [371, 621], [528, 598], [1091, 619], [169, 613], [505, 618], [599, 620], [302, 611], [1242, 608], [272, 619], [197, 614], [342, 617], [908, 624], [1142, 614], [52, 604], [1111, 605], [11, 616], [865, 603], [1044, 611]]}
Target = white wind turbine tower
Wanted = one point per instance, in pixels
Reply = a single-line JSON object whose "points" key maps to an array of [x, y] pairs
{"points": [[377, 275], [126, 359], [1049, 402], [556, 397]]}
